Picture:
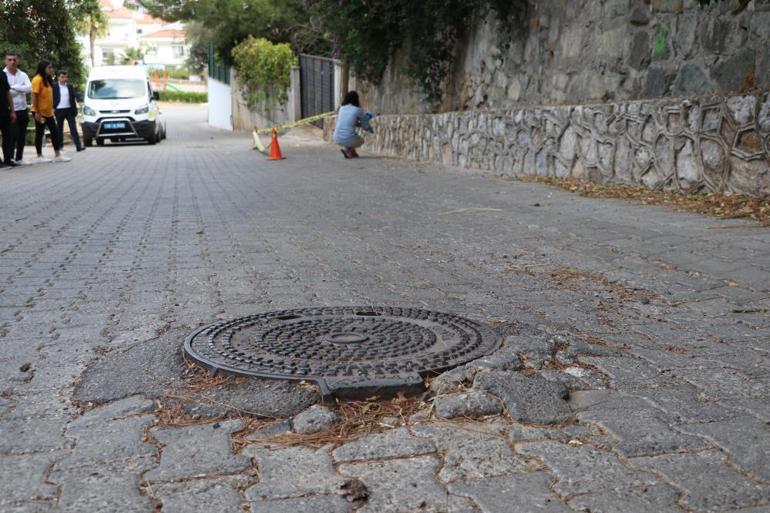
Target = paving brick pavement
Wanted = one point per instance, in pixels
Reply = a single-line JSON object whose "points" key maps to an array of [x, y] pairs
{"points": [[657, 323]]}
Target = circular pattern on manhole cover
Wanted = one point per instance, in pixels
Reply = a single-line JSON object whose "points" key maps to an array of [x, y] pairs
{"points": [[342, 348]]}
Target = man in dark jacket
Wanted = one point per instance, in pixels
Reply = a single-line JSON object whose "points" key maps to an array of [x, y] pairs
{"points": [[7, 116], [66, 108]]}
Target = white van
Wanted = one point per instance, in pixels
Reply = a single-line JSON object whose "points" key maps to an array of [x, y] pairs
{"points": [[120, 105]]}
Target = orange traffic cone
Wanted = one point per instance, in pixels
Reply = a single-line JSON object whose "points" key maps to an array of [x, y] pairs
{"points": [[275, 150]]}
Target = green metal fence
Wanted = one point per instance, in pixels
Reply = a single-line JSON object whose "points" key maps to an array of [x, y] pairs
{"points": [[218, 70]]}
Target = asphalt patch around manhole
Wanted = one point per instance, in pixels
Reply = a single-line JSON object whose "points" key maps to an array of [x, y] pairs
{"points": [[156, 369]]}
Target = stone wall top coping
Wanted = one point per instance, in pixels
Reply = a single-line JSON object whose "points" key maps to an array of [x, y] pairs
{"points": [[662, 101]]}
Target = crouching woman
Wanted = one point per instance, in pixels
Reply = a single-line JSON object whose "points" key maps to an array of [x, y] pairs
{"points": [[349, 118]]}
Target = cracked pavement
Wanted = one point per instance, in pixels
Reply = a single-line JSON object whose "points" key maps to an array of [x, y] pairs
{"points": [[633, 376]]}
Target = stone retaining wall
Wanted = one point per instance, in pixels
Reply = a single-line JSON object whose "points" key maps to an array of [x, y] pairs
{"points": [[712, 144], [595, 51]]}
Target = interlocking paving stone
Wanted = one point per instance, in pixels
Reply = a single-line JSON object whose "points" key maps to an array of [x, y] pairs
{"points": [[630, 373], [684, 404], [453, 380], [581, 400], [196, 451], [579, 468], [532, 344], [527, 397], [126, 440], [111, 259], [725, 383], [521, 433], [394, 443], [307, 504], [474, 403], [103, 487], [129, 406], [708, 483], [23, 478], [747, 440], [278, 428], [400, 485], [198, 495], [518, 493], [643, 432], [292, 472], [472, 451], [758, 407], [315, 419], [30, 507], [31, 434], [659, 498]]}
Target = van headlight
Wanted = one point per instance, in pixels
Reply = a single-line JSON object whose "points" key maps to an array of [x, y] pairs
{"points": [[144, 109], [88, 111]]}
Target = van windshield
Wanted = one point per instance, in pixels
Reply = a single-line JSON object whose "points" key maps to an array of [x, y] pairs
{"points": [[116, 89]]}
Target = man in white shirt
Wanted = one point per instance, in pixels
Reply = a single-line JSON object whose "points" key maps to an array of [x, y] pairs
{"points": [[20, 88], [66, 107]]}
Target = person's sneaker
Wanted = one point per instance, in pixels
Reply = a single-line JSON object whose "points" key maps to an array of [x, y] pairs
{"points": [[82, 148], [42, 160], [10, 163], [61, 158], [353, 153], [345, 153]]}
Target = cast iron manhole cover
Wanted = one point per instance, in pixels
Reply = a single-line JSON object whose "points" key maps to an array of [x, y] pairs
{"points": [[345, 348]]}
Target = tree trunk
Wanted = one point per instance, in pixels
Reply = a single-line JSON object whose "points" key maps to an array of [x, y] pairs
{"points": [[345, 79], [92, 43]]}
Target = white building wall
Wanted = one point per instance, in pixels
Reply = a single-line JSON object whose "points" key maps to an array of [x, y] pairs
{"points": [[220, 105], [163, 53]]}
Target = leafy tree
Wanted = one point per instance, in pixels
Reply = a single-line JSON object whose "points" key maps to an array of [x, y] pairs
{"points": [[228, 22], [130, 55], [367, 33], [43, 29], [90, 20], [199, 36]]}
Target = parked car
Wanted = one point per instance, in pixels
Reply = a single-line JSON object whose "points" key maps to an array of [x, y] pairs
{"points": [[120, 105]]}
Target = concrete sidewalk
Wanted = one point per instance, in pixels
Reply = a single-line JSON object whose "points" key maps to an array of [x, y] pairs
{"points": [[633, 376]]}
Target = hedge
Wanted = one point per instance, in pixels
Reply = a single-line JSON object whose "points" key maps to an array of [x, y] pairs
{"points": [[183, 96]]}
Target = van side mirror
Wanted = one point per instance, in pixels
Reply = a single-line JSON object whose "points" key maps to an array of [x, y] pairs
{"points": [[156, 95]]}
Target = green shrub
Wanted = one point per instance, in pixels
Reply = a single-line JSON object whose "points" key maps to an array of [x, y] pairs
{"points": [[179, 73], [183, 97], [264, 70]]}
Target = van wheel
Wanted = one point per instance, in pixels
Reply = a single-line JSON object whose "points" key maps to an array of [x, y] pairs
{"points": [[100, 142], [152, 139], [87, 141]]}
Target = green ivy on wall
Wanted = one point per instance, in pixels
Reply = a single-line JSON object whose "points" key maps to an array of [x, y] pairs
{"points": [[367, 34], [659, 41]]}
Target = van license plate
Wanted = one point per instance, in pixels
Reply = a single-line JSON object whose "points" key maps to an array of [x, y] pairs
{"points": [[114, 126]]}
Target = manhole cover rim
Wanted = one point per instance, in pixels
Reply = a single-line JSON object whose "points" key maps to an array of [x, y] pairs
{"points": [[488, 342]]}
